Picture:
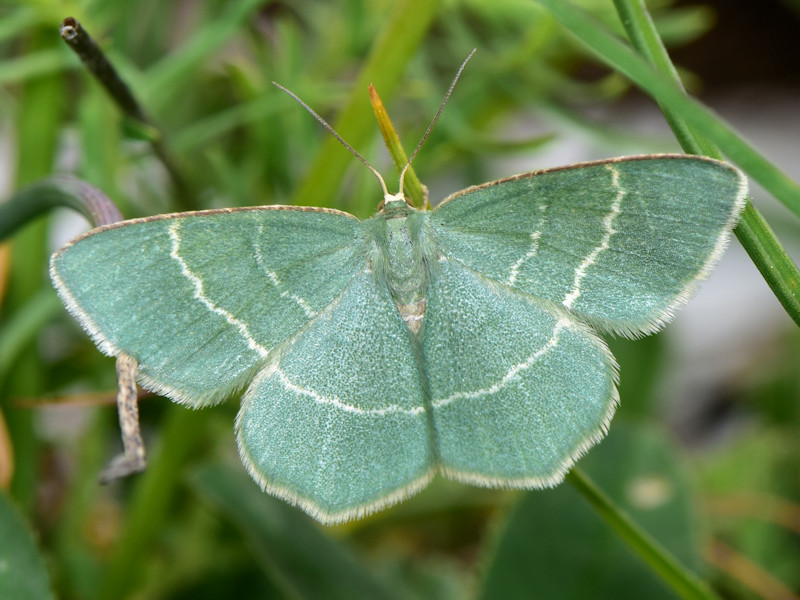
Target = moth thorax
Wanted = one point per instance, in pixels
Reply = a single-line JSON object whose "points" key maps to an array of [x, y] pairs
{"points": [[406, 273]]}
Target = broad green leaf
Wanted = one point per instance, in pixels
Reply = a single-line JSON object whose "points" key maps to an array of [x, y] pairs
{"points": [[22, 571], [553, 545]]}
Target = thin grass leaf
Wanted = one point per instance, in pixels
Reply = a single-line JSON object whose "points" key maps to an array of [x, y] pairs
{"points": [[169, 77], [618, 56], [755, 235], [416, 191], [771, 260], [644, 37], [100, 136], [19, 20], [36, 64], [648, 483], [206, 130], [685, 583], [698, 130], [683, 25]]}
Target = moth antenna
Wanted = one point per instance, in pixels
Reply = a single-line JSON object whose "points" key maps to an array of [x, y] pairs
{"points": [[435, 118], [332, 131]]}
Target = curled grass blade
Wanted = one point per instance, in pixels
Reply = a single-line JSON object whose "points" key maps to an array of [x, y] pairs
{"points": [[58, 190]]}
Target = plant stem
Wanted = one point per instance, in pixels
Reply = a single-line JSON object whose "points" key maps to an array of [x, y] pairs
{"points": [[775, 265], [92, 56], [678, 577], [153, 496], [417, 192], [644, 37]]}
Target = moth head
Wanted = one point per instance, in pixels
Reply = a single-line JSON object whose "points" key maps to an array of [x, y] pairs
{"points": [[388, 199]]}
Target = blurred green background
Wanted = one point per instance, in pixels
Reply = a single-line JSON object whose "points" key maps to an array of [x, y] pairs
{"points": [[703, 452]]}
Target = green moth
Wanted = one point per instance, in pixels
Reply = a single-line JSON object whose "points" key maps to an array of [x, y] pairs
{"points": [[374, 354]]}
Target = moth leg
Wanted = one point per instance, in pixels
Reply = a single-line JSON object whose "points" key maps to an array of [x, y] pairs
{"points": [[132, 460]]}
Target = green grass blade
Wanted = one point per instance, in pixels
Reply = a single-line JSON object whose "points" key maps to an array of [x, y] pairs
{"points": [[771, 260], [698, 130], [397, 43], [101, 141], [644, 37], [167, 78], [620, 57], [534, 545], [680, 579], [206, 130], [36, 64], [19, 20], [753, 232], [58, 190], [416, 192]]}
